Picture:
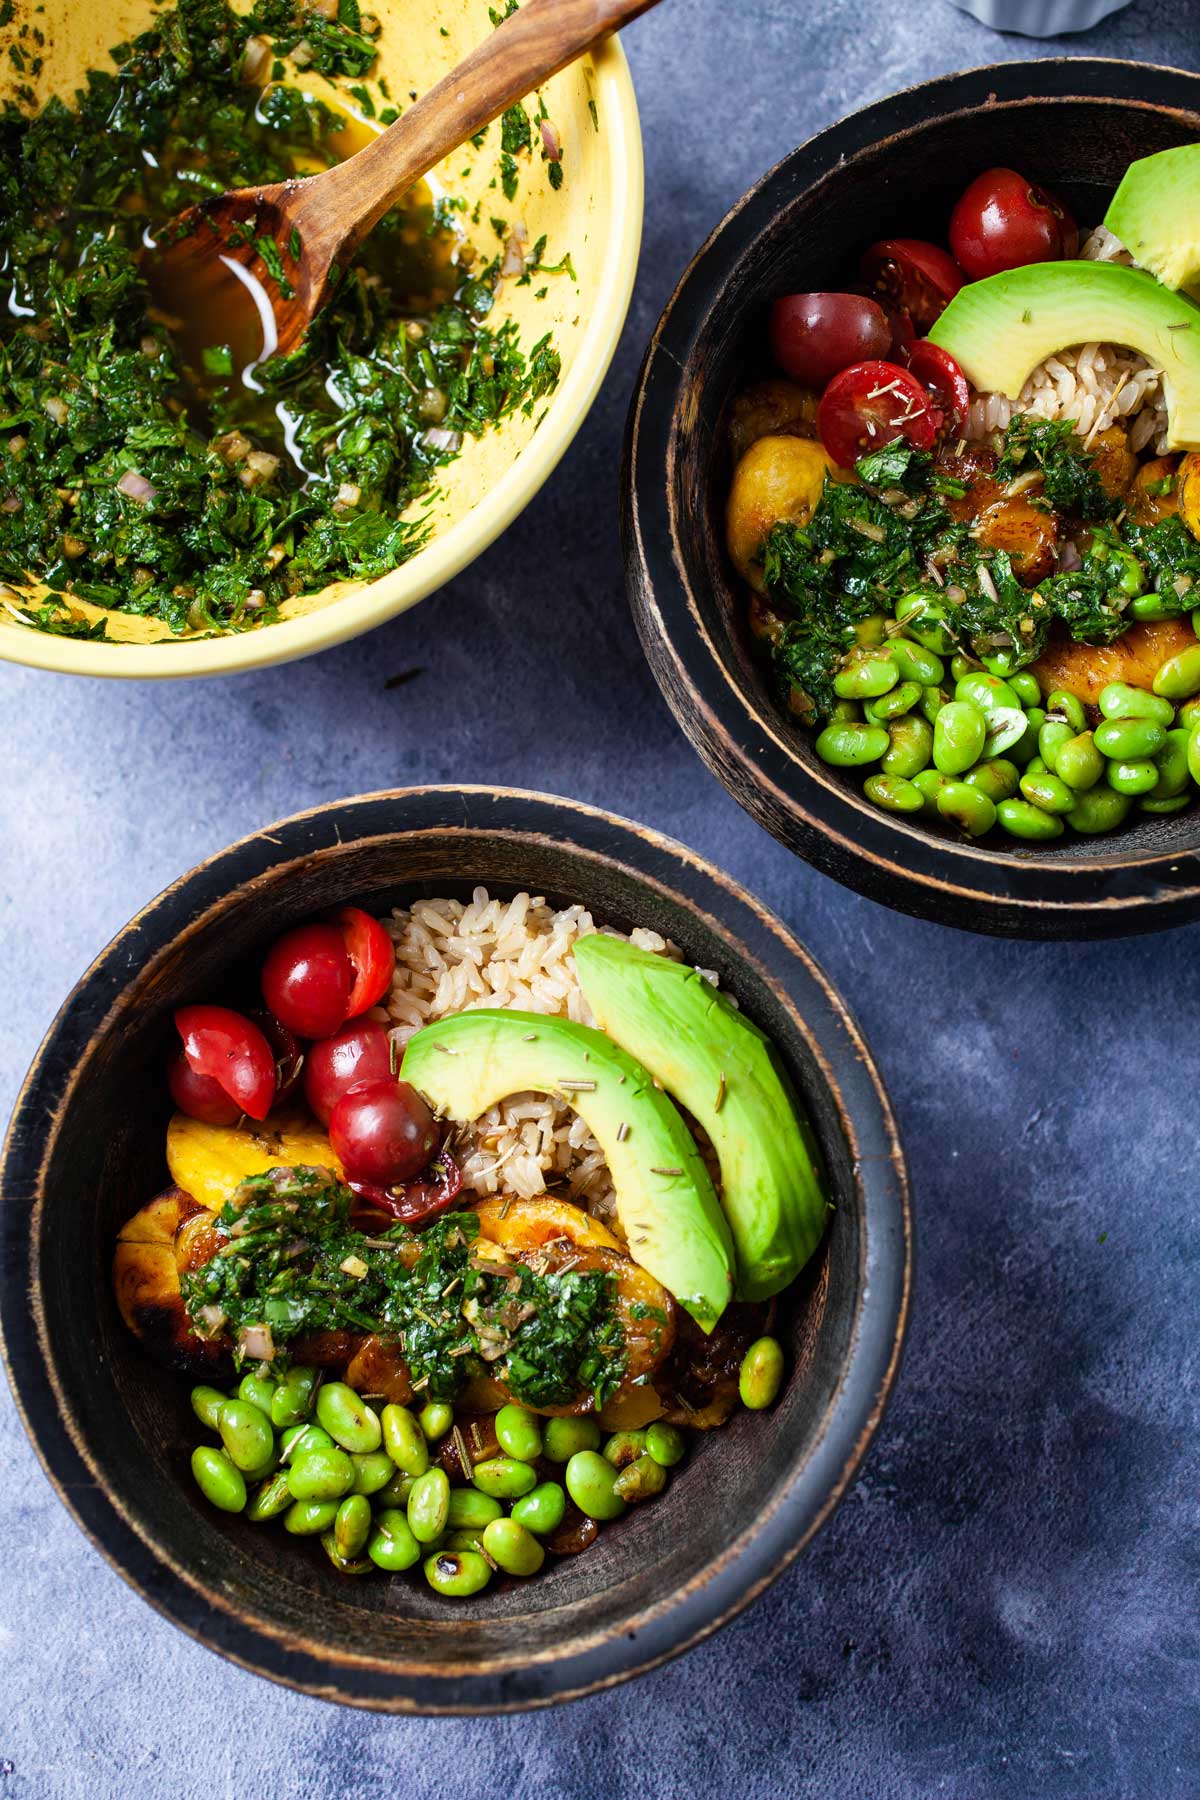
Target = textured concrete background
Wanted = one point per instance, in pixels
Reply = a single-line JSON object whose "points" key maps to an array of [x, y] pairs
{"points": [[1006, 1604]]}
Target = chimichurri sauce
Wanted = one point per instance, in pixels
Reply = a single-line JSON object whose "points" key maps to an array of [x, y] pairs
{"points": [[200, 494]]}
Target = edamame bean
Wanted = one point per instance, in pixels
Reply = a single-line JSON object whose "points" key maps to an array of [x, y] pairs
{"points": [[624, 1447], [206, 1404], [849, 746], [404, 1440], [1023, 749], [1048, 792], [1193, 754], [915, 663], [1099, 809], [846, 712], [929, 784], [1151, 606], [1139, 776], [967, 807], [958, 737], [1021, 819], [961, 664], [465, 1539], [924, 620], [1053, 735], [457, 1573], [258, 1392], [518, 1433], [1078, 762], [987, 692], [1024, 685], [1188, 716], [348, 1419], [308, 1518], [435, 1419], [516, 1550], [561, 1438], [641, 1480], [391, 1545], [932, 701], [1126, 740], [272, 1498], [219, 1478], [373, 1469], [470, 1510], [591, 1483], [429, 1504], [345, 1565], [292, 1400], [1121, 701], [352, 1526], [665, 1443], [893, 793], [997, 779], [303, 1437], [542, 1509], [761, 1373], [397, 1490], [863, 676], [320, 1473], [871, 632], [894, 703], [1179, 677], [1064, 702], [1000, 662], [1175, 803], [910, 746], [504, 1477], [247, 1436]]}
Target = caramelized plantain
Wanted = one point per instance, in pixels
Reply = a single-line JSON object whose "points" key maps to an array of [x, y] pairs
{"points": [[1147, 507], [698, 1385], [1084, 669], [1027, 533], [772, 408], [1115, 462], [146, 1271], [212, 1161]]}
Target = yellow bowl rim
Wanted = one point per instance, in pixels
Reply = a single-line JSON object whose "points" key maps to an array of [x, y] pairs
{"points": [[450, 552]]}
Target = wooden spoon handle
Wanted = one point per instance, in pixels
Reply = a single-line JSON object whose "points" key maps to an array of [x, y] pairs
{"points": [[521, 54]]}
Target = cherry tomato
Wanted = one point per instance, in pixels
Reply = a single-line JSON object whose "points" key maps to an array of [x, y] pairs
{"points": [[382, 1132], [307, 980], [1003, 222], [815, 335], [360, 1051], [199, 1096], [286, 1048], [917, 277], [372, 953], [871, 405], [945, 382], [416, 1202], [230, 1050]]}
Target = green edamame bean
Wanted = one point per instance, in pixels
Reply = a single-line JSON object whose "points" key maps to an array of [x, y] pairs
{"points": [[894, 703], [435, 1419], [929, 784], [665, 1443], [272, 1498], [959, 732], [206, 1404], [1049, 792], [1151, 606], [397, 1490], [518, 1433], [909, 747], [320, 1473], [1188, 716], [345, 1565], [1193, 754], [893, 793], [516, 1550], [591, 1483], [1099, 809], [293, 1397], [761, 1375], [846, 712], [863, 676], [504, 1477], [1179, 677], [967, 807], [1000, 662], [624, 1447], [258, 1392], [219, 1478], [987, 692], [541, 1509], [1078, 762], [1021, 819], [404, 1440], [373, 1469], [247, 1436], [457, 1573], [1121, 701], [916, 663], [470, 1510], [641, 1480], [561, 1438], [465, 1539], [1025, 686], [348, 1419], [849, 746], [1070, 706], [871, 632], [303, 1437], [1173, 804], [1195, 621], [1129, 740], [1171, 763], [997, 779], [961, 664], [1053, 735], [924, 620], [352, 1526], [932, 701], [429, 1504], [308, 1518], [391, 1545], [1139, 776], [1023, 750]]}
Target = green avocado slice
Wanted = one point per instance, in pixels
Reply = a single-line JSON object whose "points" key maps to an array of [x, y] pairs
{"points": [[723, 1069], [666, 1202], [1156, 214]]}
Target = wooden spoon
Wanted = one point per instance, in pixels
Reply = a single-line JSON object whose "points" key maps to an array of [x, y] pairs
{"points": [[325, 218]]}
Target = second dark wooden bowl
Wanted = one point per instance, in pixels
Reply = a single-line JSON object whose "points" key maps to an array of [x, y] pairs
{"points": [[114, 1432], [893, 170]]}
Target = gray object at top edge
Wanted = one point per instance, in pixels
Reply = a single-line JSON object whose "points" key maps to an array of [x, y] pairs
{"points": [[1040, 18]]}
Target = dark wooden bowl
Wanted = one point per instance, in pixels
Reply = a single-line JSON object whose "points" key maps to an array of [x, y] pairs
{"points": [[114, 1432], [894, 169]]}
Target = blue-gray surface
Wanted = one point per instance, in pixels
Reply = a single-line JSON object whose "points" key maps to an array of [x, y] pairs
{"points": [[1006, 1603]]}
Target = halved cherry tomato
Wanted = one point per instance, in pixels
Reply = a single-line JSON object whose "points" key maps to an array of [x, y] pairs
{"points": [[917, 277], [1004, 222], [871, 405], [307, 980], [372, 953], [383, 1133], [286, 1048], [815, 335], [415, 1202], [225, 1047], [941, 376], [199, 1096], [360, 1051]]}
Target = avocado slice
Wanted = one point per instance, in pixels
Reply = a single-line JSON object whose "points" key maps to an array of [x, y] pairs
{"points": [[1156, 214], [723, 1069], [1000, 329], [666, 1203]]}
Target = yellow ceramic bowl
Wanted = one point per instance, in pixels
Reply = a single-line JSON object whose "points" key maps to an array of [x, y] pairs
{"points": [[596, 216]]}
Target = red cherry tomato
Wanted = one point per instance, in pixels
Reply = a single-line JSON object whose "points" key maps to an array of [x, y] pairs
{"points": [[871, 405], [360, 1051], [372, 953], [1003, 222], [815, 335], [416, 1202], [917, 277], [227, 1048], [286, 1048], [199, 1096], [382, 1132], [307, 980], [941, 376]]}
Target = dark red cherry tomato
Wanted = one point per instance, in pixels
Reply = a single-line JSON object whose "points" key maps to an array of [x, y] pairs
{"points": [[307, 980], [944, 381], [871, 405], [286, 1048], [815, 335], [383, 1133], [372, 953], [917, 277], [199, 1096], [415, 1202], [360, 1051], [1003, 222], [226, 1047]]}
